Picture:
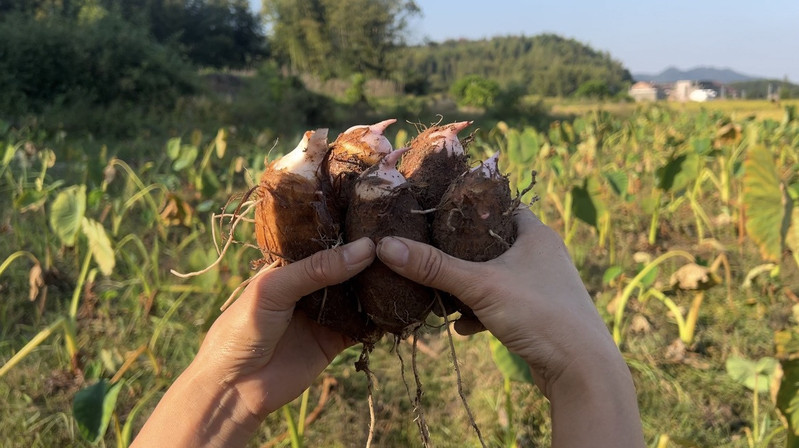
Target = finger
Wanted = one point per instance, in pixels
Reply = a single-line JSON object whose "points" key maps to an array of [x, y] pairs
{"points": [[527, 225], [427, 265], [280, 289]]}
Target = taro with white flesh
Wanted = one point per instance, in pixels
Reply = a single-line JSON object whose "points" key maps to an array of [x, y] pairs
{"points": [[292, 221], [435, 159], [474, 220], [383, 205], [353, 152]]}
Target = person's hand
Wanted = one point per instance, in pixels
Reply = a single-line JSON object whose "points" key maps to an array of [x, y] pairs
{"points": [[257, 356], [533, 300]]}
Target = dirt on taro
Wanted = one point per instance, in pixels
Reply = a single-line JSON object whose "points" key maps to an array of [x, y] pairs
{"points": [[87, 245]]}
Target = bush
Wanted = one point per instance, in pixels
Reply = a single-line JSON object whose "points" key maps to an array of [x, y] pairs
{"points": [[475, 91], [57, 61]]}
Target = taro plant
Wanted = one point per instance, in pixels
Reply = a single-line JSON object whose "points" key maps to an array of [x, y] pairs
{"points": [[69, 223], [757, 376]]}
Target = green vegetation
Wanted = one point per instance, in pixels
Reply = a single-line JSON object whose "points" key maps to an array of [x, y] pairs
{"points": [[545, 65], [125, 139], [94, 321]]}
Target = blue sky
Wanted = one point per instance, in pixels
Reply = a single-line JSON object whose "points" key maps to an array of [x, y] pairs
{"points": [[756, 38]]}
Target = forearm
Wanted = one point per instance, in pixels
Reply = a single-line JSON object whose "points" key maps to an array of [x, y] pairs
{"points": [[197, 412], [594, 404]]}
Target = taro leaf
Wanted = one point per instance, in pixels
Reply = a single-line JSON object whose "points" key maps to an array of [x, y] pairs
{"points": [[511, 365], [67, 212], [788, 396], [100, 245], [763, 203], [188, 154], [514, 147], [702, 146], [221, 142], [530, 144], [587, 204], [173, 148], [678, 172], [650, 277], [92, 408], [755, 375], [611, 274], [618, 182]]}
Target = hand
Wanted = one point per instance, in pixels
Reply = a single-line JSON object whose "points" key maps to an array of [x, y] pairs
{"points": [[257, 356], [533, 300]]}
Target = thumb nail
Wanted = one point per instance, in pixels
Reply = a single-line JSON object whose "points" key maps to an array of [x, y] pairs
{"points": [[357, 251], [393, 251]]}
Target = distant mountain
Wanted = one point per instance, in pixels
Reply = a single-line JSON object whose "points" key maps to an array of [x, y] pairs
{"points": [[673, 74]]}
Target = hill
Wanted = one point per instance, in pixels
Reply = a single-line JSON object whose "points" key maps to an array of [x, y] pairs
{"points": [[673, 74], [545, 64]]}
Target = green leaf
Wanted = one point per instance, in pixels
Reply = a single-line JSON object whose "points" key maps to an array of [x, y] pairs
{"points": [[611, 274], [100, 245], [650, 277], [678, 172], [763, 203], [188, 154], [66, 213], [792, 236], [702, 146], [511, 365], [173, 148], [755, 375], [92, 408], [587, 204], [788, 394], [617, 181], [221, 142], [530, 144]]}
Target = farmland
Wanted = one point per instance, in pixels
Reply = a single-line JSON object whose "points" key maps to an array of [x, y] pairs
{"points": [[90, 233]]}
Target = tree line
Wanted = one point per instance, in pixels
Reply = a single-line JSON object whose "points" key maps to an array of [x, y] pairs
{"points": [[148, 52]]}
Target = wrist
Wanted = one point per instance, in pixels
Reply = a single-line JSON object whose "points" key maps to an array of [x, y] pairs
{"points": [[593, 403], [198, 410]]}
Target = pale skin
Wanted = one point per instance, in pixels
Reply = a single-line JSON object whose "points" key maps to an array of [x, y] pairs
{"points": [[260, 354]]}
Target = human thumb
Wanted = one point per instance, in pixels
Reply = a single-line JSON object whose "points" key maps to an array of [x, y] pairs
{"points": [[428, 266]]}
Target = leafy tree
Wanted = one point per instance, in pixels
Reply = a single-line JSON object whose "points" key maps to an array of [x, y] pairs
{"points": [[473, 90], [338, 37], [547, 64], [592, 89]]}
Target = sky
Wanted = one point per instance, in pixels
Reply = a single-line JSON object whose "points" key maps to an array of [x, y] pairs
{"points": [[758, 38]]}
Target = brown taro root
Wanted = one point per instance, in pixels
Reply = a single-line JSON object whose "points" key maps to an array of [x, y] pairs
{"points": [[354, 150], [474, 220], [382, 205], [292, 221], [435, 159]]}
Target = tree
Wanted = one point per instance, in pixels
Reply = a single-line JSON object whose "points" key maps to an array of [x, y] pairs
{"points": [[475, 91], [338, 37]]}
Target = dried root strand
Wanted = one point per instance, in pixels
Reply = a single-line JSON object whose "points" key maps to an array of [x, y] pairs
{"points": [[424, 430], [235, 222], [458, 373], [362, 365]]}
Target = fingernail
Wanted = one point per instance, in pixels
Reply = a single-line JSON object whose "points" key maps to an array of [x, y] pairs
{"points": [[357, 251], [393, 251]]}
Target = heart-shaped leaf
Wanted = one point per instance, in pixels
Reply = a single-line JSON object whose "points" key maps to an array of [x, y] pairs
{"points": [[755, 375], [66, 213], [99, 245], [763, 202]]}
